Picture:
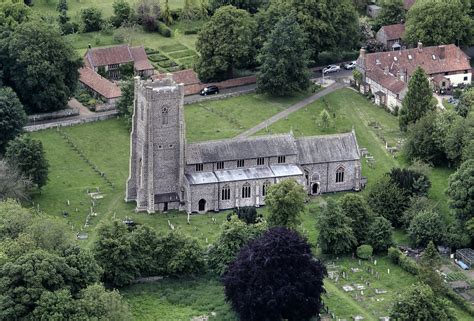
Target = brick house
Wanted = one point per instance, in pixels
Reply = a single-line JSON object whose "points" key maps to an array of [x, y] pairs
{"points": [[110, 59], [386, 74], [391, 36], [99, 87]]}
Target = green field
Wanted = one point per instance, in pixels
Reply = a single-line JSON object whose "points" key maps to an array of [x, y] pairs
{"points": [[106, 146]]}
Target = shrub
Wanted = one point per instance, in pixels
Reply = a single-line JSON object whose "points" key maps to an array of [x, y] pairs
{"points": [[193, 31], [408, 265], [364, 252], [394, 254], [164, 30]]}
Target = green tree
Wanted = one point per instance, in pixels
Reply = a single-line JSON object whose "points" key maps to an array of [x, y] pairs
{"points": [[457, 137], [27, 278], [392, 12], [411, 181], [251, 6], [234, 235], [420, 303], [12, 117], [356, 208], [122, 13], [325, 118], [427, 226], [144, 243], [387, 200], [14, 219], [357, 77], [50, 234], [335, 233], [92, 19], [166, 14], [113, 252], [417, 205], [224, 43], [285, 202], [62, 6], [380, 234], [88, 271], [435, 22], [431, 257], [28, 156], [418, 100], [364, 251], [461, 191], [57, 305], [284, 60], [422, 143], [466, 103], [97, 303], [43, 82]]}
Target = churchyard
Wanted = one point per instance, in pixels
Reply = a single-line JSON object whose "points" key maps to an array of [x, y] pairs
{"points": [[89, 168]]}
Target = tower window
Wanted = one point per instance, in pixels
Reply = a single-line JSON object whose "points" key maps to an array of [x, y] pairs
{"points": [[246, 190], [225, 193], [164, 115], [340, 175], [199, 167], [220, 165], [281, 159], [260, 161], [240, 163]]}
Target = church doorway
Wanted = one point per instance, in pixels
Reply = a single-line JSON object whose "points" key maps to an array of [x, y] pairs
{"points": [[165, 206], [202, 205], [315, 189]]}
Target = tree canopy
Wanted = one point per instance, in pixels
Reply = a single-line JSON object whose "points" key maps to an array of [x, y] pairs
{"points": [[380, 234], [461, 191], [275, 277], [356, 208], [284, 58], [285, 202], [436, 22], [427, 226], [251, 6], [418, 100], [335, 233], [420, 303], [12, 117], [40, 66], [224, 43], [466, 103], [392, 12], [28, 156]]}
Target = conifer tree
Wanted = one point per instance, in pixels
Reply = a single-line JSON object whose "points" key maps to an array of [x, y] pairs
{"points": [[418, 100]]}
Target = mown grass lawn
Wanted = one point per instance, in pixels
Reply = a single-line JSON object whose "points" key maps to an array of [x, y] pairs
{"points": [[106, 145]]}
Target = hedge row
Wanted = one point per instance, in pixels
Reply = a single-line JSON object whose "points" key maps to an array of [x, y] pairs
{"points": [[164, 30]]}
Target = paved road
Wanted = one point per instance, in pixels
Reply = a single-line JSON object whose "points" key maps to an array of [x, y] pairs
{"points": [[235, 90], [335, 86]]}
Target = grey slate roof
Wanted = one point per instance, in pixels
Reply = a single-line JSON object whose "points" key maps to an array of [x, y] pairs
{"points": [[327, 148], [234, 149], [281, 170]]}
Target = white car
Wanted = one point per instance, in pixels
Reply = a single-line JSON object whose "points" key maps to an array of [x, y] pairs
{"points": [[331, 68], [349, 66]]}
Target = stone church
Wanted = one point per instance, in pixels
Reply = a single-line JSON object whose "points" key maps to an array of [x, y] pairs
{"points": [[167, 173]]}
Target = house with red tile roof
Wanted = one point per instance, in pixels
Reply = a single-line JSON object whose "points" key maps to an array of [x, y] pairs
{"points": [[386, 74], [99, 86], [109, 59], [391, 36]]}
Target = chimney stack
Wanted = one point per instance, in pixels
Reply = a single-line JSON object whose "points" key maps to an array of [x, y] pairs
{"points": [[420, 46]]}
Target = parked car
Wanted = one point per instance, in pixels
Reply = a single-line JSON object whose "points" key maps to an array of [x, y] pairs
{"points": [[349, 66], [331, 68], [209, 90]]}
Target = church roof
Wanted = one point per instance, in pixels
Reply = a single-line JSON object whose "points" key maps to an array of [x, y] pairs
{"points": [[327, 148], [244, 174], [234, 149]]}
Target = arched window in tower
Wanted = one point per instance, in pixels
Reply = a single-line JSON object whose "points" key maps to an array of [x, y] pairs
{"points": [[340, 175], [246, 190], [164, 115], [225, 193]]}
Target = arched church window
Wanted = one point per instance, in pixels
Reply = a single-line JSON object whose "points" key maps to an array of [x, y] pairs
{"points": [[340, 175], [246, 190], [265, 187], [225, 193], [164, 115]]}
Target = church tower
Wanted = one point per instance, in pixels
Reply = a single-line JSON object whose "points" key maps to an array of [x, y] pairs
{"points": [[157, 146]]}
